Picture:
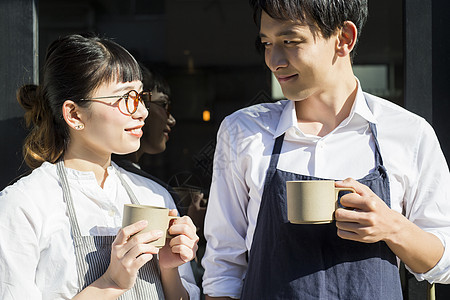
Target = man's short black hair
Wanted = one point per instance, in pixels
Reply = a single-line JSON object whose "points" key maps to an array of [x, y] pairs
{"points": [[326, 15]]}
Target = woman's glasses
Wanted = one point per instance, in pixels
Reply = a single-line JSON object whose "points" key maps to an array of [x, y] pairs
{"points": [[130, 101]]}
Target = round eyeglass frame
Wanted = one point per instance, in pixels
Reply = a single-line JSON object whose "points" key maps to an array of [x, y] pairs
{"points": [[143, 97]]}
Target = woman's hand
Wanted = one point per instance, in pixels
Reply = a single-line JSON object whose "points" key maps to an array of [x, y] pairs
{"points": [[128, 255], [183, 246]]}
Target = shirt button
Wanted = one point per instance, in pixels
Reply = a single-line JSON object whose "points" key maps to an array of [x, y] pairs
{"points": [[111, 213]]}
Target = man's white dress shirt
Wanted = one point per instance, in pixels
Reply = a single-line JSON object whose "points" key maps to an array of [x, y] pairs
{"points": [[37, 258], [418, 174]]}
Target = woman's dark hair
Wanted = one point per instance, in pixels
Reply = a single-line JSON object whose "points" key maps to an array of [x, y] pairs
{"points": [[326, 15], [75, 65]]}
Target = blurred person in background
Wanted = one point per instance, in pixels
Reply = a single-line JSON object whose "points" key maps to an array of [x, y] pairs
{"points": [[154, 141]]}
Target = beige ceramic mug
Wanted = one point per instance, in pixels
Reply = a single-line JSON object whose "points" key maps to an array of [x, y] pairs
{"points": [[157, 218], [312, 201]]}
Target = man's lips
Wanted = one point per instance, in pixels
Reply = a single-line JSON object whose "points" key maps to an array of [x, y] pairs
{"points": [[166, 133], [285, 78]]}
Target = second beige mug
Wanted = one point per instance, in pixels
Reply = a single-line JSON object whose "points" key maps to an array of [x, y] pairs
{"points": [[312, 201], [157, 218]]}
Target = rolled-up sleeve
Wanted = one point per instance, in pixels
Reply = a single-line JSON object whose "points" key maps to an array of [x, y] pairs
{"points": [[429, 205]]}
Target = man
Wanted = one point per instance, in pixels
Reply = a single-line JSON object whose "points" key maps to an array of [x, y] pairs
{"points": [[328, 129]]}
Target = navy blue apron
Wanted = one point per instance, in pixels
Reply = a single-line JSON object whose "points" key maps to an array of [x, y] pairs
{"points": [[292, 261]]}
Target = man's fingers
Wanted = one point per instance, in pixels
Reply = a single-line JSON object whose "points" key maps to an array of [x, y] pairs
{"points": [[359, 188]]}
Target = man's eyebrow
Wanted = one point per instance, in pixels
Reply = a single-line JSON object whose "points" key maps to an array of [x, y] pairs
{"points": [[281, 33]]}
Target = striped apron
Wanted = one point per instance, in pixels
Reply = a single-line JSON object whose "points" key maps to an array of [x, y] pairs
{"points": [[93, 252]]}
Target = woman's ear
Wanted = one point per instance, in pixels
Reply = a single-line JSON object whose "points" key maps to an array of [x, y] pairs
{"points": [[72, 115], [347, 36]]}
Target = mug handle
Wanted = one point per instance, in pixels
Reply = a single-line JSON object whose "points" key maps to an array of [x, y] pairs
{"points": [[169, 236], [338, 189]]}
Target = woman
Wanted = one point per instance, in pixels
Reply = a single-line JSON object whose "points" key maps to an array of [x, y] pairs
{"points": [[61, 235]]}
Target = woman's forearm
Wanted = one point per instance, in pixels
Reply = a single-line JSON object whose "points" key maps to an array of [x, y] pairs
{"points": [[172, 285], [100, 289]]}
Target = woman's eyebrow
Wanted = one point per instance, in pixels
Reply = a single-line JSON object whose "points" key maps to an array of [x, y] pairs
{"points": [[127, 88]]}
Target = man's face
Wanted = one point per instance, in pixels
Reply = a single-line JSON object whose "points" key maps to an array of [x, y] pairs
{"points": [[158, 125], [301, 59]]}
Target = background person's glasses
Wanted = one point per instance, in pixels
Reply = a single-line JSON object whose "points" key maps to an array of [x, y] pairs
{"points": [[131, 100], [164, 103]]}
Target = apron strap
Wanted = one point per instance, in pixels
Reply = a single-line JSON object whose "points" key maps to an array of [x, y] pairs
{"points": [[130, 193], [67, 197], [378, 157], [274, 160]]}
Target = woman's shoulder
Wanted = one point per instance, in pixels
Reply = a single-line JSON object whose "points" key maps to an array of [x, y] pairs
{"points": [[32, 198], [40, 181]]}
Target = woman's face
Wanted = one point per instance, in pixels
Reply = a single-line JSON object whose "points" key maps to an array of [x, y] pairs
{"points": [[108, 129], [158, 125]]}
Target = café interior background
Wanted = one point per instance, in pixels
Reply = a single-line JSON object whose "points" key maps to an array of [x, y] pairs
{"points": [[206, 51]]}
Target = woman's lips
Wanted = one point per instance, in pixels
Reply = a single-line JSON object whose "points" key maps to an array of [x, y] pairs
{"points": [[135, 131]]}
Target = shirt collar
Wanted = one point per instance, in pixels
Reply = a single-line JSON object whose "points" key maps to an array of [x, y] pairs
{"points": [[361, 107], [288, 118]]}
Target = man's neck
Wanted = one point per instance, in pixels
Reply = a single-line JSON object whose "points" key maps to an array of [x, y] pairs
{"points": [[320, 114]]}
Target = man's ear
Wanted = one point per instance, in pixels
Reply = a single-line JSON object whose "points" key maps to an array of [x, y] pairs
{"points": [[72, 115], [347, 36]]}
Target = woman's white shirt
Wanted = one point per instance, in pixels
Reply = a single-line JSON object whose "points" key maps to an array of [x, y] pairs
{"points": [[37, 258]]}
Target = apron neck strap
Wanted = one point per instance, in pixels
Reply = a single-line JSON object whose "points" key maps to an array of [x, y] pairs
{"points": [[67, 195]]}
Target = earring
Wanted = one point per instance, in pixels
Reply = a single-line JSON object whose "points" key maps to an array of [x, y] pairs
{"points": [[79, 127]]}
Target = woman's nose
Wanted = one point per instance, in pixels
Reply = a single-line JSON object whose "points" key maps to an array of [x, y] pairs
{"points": [[141, 112]]}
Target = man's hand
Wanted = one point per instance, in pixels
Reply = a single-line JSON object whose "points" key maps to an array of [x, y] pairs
{"points": [[365, 218]]}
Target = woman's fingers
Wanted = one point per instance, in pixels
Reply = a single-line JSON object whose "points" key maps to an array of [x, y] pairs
{"points": [[130, 236], [184, 246], [140, 254], [183, 226], [125, 233]]}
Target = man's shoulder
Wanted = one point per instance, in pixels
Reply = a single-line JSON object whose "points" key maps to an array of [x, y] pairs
{"points": [[262, 115], [397, 124], [387, 111], [259, 109]]}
